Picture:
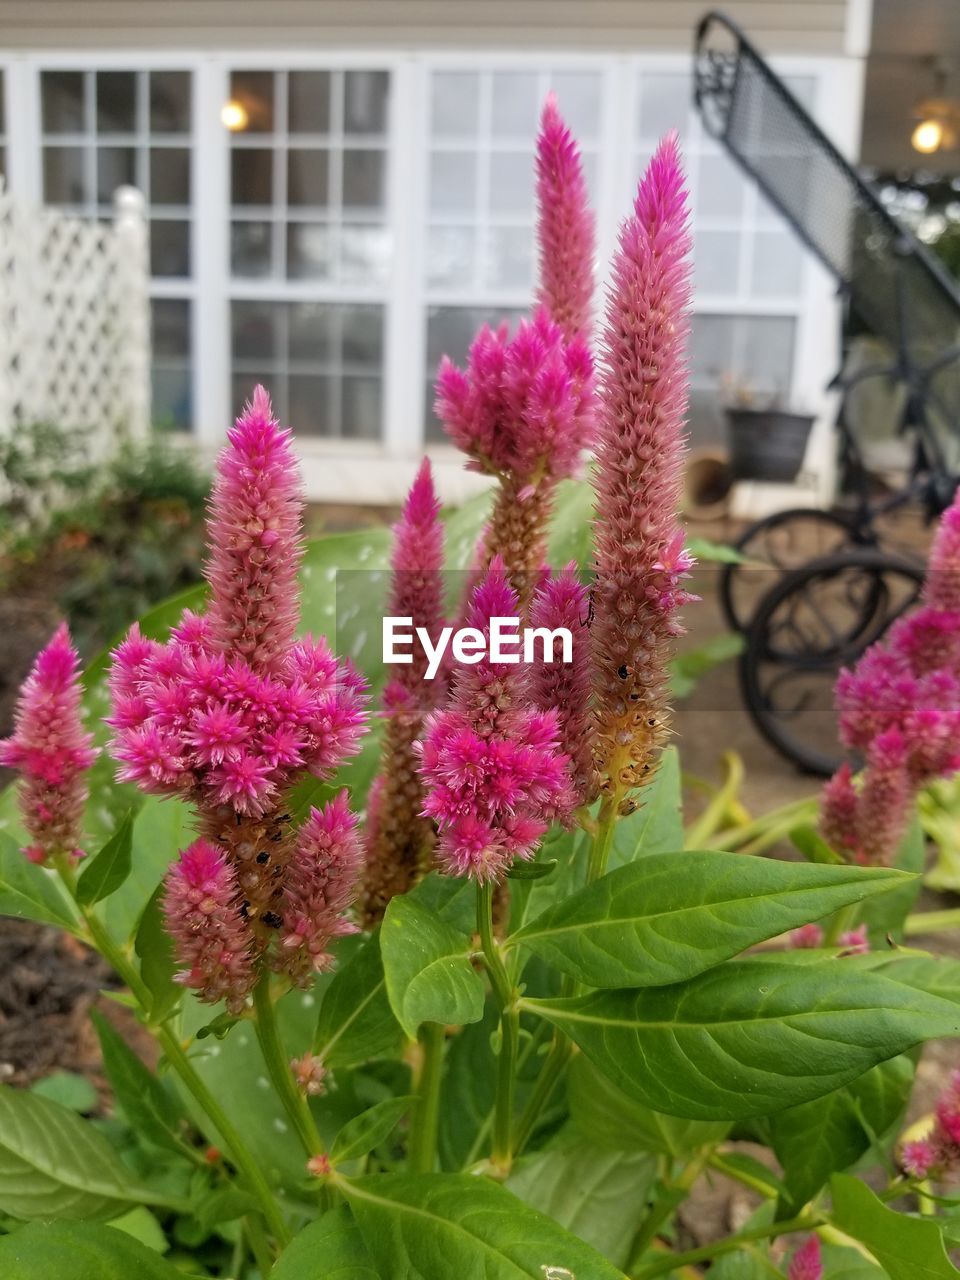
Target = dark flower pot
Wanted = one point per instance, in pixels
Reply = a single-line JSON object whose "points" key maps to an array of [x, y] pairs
{"points": [[767, 444]]}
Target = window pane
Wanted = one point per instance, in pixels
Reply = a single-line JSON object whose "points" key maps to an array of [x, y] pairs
{"points": [[63, 104], [365, 95], [252, 176], [721, 188], [776, 264], [716, 261], [309, 93], [172, 401], [664, 104], [254, 90], [169, 248], [365, 254], [169, 175], [116, 167], [453, 182], [455, 103], [363, 336], [360, 412], [242, 384], [256, 332], [364, 179], [312, 334], [451, 254], [116, 102], [63, 175], [515, 105], [3, 119], [711, 350], [765, 352], [578, 97], [170, 101], [511, 182], [509, 257], [308, 177], [171, 326], [312, 411], [251, 248], [3, 160], [311, 251]]}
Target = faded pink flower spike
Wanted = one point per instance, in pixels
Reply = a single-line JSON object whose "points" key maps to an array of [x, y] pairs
{"points": [[212, 940], [918, 1158], [319, 887], [563, 601], [807, 1263], [255, 545], [942, 585], [640, 558], [566, 232], [399, 841], [938, 1151], [310, 1074], [493, 773], [52, 753]]}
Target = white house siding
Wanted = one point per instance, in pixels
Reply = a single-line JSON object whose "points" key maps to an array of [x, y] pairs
{"points": [[337, 262]]}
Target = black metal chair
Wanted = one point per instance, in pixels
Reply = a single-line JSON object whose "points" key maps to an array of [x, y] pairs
{"points": [[901, 293]]}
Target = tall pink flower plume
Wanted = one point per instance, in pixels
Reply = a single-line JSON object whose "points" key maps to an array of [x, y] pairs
{"points": [[493, 772], [639, 552], [566, 232], [399, 841], [563, 601], [937, 1152], [319, 887], [51, 751], [255, 545], [942, 586], [211, 938], [807, 1263]]}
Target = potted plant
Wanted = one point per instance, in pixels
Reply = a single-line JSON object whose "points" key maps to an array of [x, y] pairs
{"points": [[767, 442]]}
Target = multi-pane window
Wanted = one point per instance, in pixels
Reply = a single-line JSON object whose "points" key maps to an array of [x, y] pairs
{"points": [[480, 254], [309, 214], [3, 129], [102, 129]]}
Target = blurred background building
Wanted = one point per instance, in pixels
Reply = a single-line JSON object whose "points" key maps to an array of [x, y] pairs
{"points": [[338, 191]]}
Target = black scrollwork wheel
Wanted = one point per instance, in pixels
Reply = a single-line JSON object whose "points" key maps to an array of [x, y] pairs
{"points": [[810, 624]]}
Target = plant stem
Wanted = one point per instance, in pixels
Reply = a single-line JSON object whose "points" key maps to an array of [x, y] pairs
{"points": [[422, 1155], [782, 819], [258, 1245], [674, 1261], [603, 840], [931, 922], [502, 1152], [717, 809], [278, 1068], [673, 1193]]}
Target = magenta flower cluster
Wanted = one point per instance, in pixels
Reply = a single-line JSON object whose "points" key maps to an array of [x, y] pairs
{"points": [[939, 1151], [807, 1262]]}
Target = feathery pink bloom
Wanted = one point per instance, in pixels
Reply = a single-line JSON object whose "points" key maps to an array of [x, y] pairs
{"points": [[639, 555], [493, 772], [320, 885], [855, 942], [211, 938], [255, 545], [808, 936], [938, 1152], [806, 1263], [563, 601], [918, 1158], [566, 232], [51, 751], [942, 585]]}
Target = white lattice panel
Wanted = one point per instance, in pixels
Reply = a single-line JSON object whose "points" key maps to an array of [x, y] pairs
{"points": [[74, 321]]}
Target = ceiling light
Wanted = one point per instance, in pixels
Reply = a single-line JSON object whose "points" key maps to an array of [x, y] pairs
{"points": [[927, 137], [234, 116]]}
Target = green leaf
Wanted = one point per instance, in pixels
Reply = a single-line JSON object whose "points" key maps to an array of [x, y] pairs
{"points": [[597, 1194], [468, 1092], [162, 827], [435, 1226], [79, 1251], [826, 1136], [106, 872], [427, 968], [28, 891], [843, 1263], [887, 915], [808, 841], [68, 1089], [356, 1022], [661, 920], [657, 825], [608, 1117], [750, 1037], [907, 1248], [142, 1225], [55, 1165], [150, 1109], [715, 552], [368, 1130], [520, 870], [157, 965], [687, 669], [331, 1247]]}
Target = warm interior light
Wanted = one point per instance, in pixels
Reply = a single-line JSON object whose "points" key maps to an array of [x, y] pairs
{"points": [[927, 137], [234, 116]]}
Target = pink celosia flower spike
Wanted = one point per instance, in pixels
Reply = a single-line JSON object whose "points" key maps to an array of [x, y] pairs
{"points": [[494, 776], [52, 752], [211, 937], [320, 885], [937, 1152], [399, 841], [565, 226], [807, 1263], [640, 557], [254, 540], [942, 586]]}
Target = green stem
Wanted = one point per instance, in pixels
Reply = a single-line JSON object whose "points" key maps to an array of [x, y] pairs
{"points": [[721, 1165], [259, 1246], [782, 819], [673, 1261], [709, 821], [422, 1155], [502, 1150], [931, 922], [603, 840], [673, 1193], [278, 1067]]}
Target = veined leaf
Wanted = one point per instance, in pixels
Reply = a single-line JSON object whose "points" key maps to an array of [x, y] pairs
{"points": [[434, 1226], [427, 968], [106, 872], [907, 1248], [670, 916], [151, 1110], [155, 952], [657, 825], [331, 1247], [28, 891], [79, 1251], [368, 1130], [750, 1037], [356, 1022]]}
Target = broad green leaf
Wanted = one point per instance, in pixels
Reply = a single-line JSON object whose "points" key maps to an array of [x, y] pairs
{"points": [[745, 1264], [452, 898], [142, 1225], [808, 841], [69, 1090], [29, 892], [657, 824], [887, 915], [106, 872], [671, 916], [356, 1022], [148, 1106], [79, 1251], [907, 1248], [157, 966], [53, 1164], [427, 968], [467, 1093], [705, 549], [830, 1134], [368, 1130], [162, 827], [843, 1263], [434, 1226], [750, 1037], [608, 1117], [331, 1247], [597, 1194]]}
